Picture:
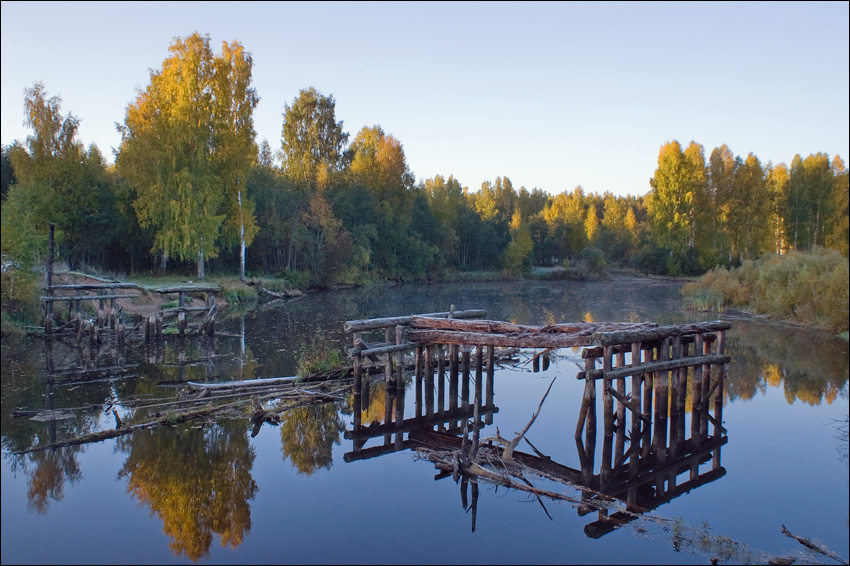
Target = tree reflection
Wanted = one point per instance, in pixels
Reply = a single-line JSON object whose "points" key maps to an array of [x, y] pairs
{"points": [[308, 434], [198, 483], [47, 481], [811, 367]]}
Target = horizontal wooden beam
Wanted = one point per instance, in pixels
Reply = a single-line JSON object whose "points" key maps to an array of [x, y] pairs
{"points": [[92, 287], [377, 323], [654, 366], [492, 326], [87, 298], [632, 336], [484, 339], [596, 351], [189, 289]]}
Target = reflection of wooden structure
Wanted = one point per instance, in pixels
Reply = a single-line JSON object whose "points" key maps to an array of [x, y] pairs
{"points": [[675, 377], [665, 367]]}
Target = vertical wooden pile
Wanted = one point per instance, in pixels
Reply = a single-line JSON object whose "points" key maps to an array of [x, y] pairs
{"points": [[651, 419]]}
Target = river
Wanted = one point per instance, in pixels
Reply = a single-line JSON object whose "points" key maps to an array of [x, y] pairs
{"points": [[208, 492]]}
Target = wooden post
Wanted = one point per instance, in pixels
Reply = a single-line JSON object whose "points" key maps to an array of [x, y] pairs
{"points": [[648, 388], [453, 380], [441, 382], [429, 381], [662, 391], [718, 400], [674, 399], [464, 396], [112, 314], [479, 377], [418, 378], [159, 326], [634, 459], [607, 418], [48, 281], [358, 368], [388, 371], [620, 429], [399, 362], [488, 390]]}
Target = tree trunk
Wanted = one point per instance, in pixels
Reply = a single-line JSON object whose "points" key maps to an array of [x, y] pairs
{"points": [[200, 265]]}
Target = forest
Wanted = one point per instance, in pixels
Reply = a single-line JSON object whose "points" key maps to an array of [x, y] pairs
{"points": [[191, 191]]}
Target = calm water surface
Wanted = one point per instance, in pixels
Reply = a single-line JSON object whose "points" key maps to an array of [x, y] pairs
{"points": [[211, 493]]}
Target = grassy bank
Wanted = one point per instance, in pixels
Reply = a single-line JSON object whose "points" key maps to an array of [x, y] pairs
{"points": [[806, 288]]}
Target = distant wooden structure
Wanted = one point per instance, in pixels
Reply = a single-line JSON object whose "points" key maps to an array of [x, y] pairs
{"points": [[653, 380], [109, 319]]}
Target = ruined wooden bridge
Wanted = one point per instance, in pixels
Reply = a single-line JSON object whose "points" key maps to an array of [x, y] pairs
{"points": [[661, 390]]}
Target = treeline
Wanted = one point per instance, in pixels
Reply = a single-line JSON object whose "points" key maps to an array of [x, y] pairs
{"points": [[191, 190]]}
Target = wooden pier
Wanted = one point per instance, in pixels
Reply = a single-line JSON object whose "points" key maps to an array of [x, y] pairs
{"points": [[661, 390]]}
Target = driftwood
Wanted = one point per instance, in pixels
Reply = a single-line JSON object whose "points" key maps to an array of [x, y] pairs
{"points": [[813, 546], [510, 445]]}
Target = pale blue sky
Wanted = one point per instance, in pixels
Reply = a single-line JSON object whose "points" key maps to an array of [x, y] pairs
{"points": [[551, 95]]}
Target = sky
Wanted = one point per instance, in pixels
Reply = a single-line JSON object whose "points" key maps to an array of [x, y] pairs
{"points": [[551, 95]]}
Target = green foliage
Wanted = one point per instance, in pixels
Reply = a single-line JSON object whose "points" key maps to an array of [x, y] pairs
{"points": [[186, 148], [810, 288], [317, 356], [594, 259]]}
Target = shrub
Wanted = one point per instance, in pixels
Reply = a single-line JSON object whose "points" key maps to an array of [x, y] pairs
{"points": [[811, 288]]}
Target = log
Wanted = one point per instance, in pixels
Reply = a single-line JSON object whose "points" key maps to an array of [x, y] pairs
{"points": [[629, 336], [491, 326], [189, 289], [530, 340], [87, 297], [654, 366], [92, 287], [376, 323]]}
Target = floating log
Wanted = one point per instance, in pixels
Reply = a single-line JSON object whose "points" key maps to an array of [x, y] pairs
{"points": [[243, 383], [377, 323]]}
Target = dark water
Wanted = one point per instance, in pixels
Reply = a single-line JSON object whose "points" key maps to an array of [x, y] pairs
{"points": [[296, 493]]}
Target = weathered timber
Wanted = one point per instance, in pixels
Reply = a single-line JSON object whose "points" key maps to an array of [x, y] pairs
{"points": [[492, 326], [596, 351], [92, 287], [189, 289], [87, 297], [242, 384], [604, 338], [626, 402], [530, 340], [377, 323], [665, 365], [363, 349]]}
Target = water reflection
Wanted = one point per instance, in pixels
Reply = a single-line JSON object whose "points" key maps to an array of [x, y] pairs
{"points": [[199, 482], [448, 424]]}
